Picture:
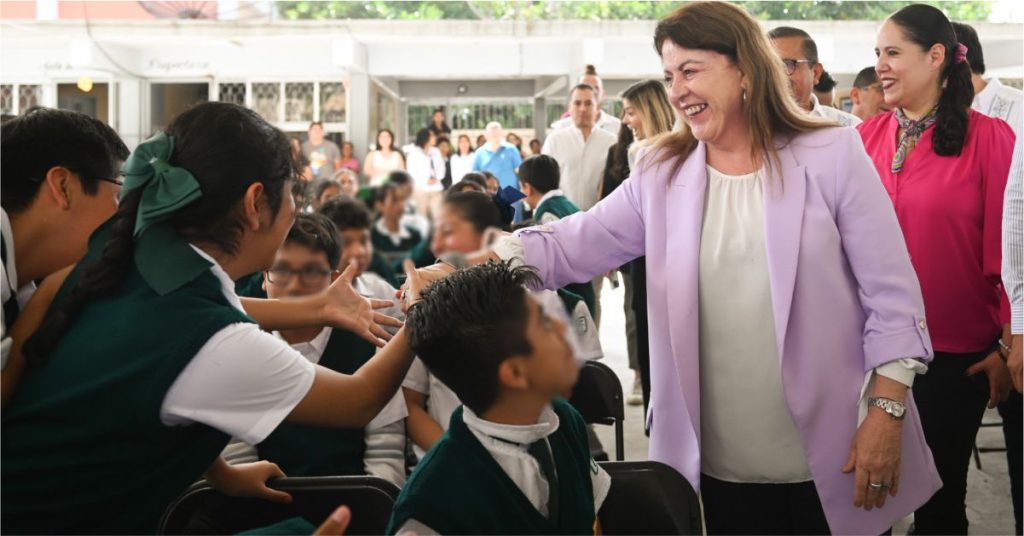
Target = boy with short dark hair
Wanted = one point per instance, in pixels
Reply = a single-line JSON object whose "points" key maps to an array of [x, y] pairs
{"points": [[305, 264], [539, 178], [515, 458], [374, 278], [61, 179]]}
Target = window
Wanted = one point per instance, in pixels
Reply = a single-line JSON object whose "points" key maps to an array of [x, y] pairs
{"points": [[6, 98], [266, 98], [298, 104], [332, 102], [233, 92], [29, 95]]}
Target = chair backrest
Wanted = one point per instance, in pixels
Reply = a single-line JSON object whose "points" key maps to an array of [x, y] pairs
{"points": [[649, 498], [598, 394], [204, 510]]}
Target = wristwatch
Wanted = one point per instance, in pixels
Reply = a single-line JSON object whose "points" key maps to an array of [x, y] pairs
{"points": [[895, 409]]}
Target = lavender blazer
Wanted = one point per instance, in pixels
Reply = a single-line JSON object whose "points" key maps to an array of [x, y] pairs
{"points": [[845, 300]]}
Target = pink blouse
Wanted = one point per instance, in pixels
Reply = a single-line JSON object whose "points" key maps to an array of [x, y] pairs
{"points": [[950, 209]]}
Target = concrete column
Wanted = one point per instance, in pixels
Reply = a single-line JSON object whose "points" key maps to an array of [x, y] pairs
{"points": [[359, 128], [540, 119], [129, 111]]}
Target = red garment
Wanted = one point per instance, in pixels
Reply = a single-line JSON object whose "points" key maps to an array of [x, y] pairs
{"points": [[950, 209]]}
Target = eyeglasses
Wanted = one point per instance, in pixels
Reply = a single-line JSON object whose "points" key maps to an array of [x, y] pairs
{"points": [[307, 276], [115, 180], [791, 64]]}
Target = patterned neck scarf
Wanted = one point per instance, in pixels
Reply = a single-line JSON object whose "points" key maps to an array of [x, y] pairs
{"points": [[912, 130]]}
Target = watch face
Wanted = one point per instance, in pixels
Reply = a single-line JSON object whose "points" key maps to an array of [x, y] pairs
{"points": [[897, 410]]}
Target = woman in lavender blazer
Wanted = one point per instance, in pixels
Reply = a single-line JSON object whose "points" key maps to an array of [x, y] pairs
{"points": [[786, 320]]}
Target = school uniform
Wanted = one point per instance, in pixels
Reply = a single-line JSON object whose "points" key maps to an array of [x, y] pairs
{"points": [[141, 394], [551, 208], [488, 478], [13, 297], [377, 449], [394, 247], [582, 335]]}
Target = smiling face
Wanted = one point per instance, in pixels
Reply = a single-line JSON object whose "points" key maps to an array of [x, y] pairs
{"points": [[631, 118], [806, 75], [706, 88], [909, 75]]}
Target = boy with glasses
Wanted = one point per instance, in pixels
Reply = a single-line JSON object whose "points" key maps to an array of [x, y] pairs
{"points": [[306, 264]]}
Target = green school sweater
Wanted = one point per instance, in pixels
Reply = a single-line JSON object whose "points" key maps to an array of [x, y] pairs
{"points": [[84, 450], [458, 488], [561, 207], [302, 450], [394, 254]]}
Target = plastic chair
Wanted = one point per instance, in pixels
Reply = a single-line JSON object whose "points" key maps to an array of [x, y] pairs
{"points": [[598, 398], [204, 510], [649, 498]]}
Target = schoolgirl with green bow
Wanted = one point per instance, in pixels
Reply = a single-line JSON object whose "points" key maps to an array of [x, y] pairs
{"points": [[147, 363]]}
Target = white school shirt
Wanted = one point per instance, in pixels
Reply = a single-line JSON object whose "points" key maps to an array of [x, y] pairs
{"points": [[9, 282], [385, 434], [461, 165], [580, 162], [243, 381], [835, 114], [548, 217], [606, 122], [1007, 103], [508, 444], [423, 166]]}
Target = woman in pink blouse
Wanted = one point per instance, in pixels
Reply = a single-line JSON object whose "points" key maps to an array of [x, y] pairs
{"points": [[945, 169]]}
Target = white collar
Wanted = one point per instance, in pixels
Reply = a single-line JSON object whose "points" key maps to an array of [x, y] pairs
{"points": [[226, 284], [318, 344], [549, 195], [402, 234], [11, 265], [815, 105], [984, 97], [522, 435]]}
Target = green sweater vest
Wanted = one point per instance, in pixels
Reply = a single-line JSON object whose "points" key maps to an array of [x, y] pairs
{"points": [[394, 254], [458, 488], [84, 450], [320, 451], [559, 205]]}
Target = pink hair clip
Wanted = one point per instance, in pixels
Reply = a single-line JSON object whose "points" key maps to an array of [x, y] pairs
{"points": [[961, 53]]}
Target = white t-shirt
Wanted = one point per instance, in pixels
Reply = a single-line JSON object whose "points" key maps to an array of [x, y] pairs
{"points": [[508, 444], [383, 166], [581, 162], [9, 282], [835, 114], [426, 168], [605, 122], [461, 165], [243, 381]]}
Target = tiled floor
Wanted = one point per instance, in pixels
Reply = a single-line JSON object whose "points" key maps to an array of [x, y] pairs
{"points": [[988, 496]]}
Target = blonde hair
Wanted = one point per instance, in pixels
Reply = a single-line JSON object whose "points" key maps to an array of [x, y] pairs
{"points": [[769, 107], [650, 100]]}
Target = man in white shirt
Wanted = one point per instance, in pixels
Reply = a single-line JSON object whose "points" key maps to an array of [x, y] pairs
{"points": [[994, 99], [602, 120], [581, 150], [800, 55]]}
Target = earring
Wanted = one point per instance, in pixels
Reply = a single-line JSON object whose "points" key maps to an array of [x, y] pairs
{"points": [[744, 94]]}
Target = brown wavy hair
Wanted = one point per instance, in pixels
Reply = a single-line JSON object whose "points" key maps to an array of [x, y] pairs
{"points": [[769, 108]]}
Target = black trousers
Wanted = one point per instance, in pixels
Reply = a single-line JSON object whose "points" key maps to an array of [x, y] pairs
{"points": [[731, 508], [1012, 412], [951, 406], [638, 271]]}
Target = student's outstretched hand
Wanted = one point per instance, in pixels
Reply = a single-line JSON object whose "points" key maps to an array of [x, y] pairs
{"points": [[336, 523], [344, 308], [417, 280], [247, 480]]}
